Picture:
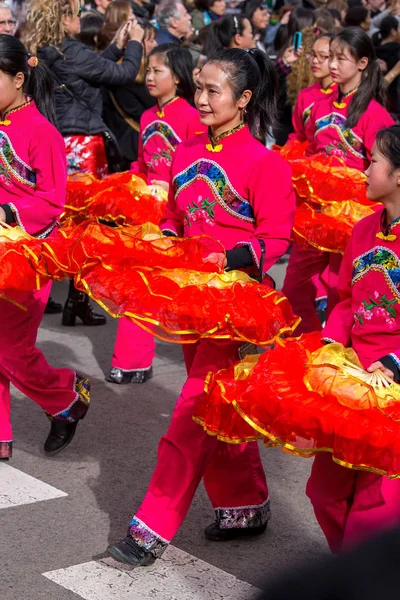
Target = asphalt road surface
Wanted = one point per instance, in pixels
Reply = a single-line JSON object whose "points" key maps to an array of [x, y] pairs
{"points": [[58, 515]]}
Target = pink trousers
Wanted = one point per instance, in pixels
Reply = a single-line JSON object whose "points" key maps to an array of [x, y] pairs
{"points": [[23, 365], [134, 348], [233, 474], [351, 506], [305, 268]]}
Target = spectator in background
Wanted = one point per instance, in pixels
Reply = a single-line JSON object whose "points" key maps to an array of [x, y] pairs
{"points": [[392, 10], [90, 28], [174, 21], [124, 105], [387, 41], [143, 9], [257, 13], [358, 16], [101, 7], [233, 31], [340, 5], [118, 12], [8, 22], [299, 19], [207, 11], [375, 7], [324, 21]]}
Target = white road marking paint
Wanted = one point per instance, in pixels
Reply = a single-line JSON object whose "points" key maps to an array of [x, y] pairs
{"points": [[18, 488], [176, 576]]}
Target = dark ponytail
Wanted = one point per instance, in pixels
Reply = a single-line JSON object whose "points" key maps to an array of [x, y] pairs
{"points": [[38, 80], [221, 33], [388, 144], [372, 84], [252, 70]]}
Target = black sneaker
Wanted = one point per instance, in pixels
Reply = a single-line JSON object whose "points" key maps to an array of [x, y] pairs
{"points": [[215, 534], [127, 551], [61, 434], [119, 376]]}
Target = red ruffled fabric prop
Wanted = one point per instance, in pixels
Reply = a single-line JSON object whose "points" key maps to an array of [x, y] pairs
{"points": [[329, 228], [175, 287], [331, 198], [121, 198], [184, 306], [265, 397]]}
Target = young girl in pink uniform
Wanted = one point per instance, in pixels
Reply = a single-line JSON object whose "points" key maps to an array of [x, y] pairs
{"points": [[322, 88], [218, 188], [33, 186], [343, 125], [162, 128], [352, 505], [308, 257]]}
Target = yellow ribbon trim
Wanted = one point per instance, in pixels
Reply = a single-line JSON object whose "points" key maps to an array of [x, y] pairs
{"points": [[212, 148], [387, 238]]}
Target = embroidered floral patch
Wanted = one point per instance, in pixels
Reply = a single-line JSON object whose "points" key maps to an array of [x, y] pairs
{"points": [[380, 307], [160, 157], [336, 149], [202, 210]]}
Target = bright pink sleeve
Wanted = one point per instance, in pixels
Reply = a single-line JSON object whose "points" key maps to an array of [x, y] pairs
{"points": [[171, 222], [374, 121], [310, 130], [38, 209], [298, 123], [273, 201], [139, 167], [340, 322]]}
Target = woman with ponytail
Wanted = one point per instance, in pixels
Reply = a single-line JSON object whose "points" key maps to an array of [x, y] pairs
{"points": [[218, 189], [344, 126], [33, 188], [233, 31]]}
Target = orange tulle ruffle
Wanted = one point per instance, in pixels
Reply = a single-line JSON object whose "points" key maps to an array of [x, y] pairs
{"points": [[324, 179], [121, 198], [308, 398], [328, 228], [176, 288]]}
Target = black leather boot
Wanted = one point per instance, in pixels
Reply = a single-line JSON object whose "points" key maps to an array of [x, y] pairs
{"points": [[119, 376], [61, 434], [215, 534], [127, 551], [52, 308], [78, 305]]}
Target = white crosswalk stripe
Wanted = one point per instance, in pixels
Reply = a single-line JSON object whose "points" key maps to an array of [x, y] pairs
{"points": [[176, 576], [18, 488]]}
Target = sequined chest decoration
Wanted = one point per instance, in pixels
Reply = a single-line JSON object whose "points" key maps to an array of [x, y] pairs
{"points": [[12, 166], [350, 142], [223, 191], [379, 259], [164, 130]]}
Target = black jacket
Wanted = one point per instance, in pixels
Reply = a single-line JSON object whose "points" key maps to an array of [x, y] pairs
{"points": [[133, 99], [83, 73]]}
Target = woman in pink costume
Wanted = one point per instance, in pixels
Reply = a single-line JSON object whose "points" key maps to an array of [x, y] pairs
{"points": [[353, 505], [33, 185], [308, 257], [218, 188], [344, 125], [162, 128]]}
